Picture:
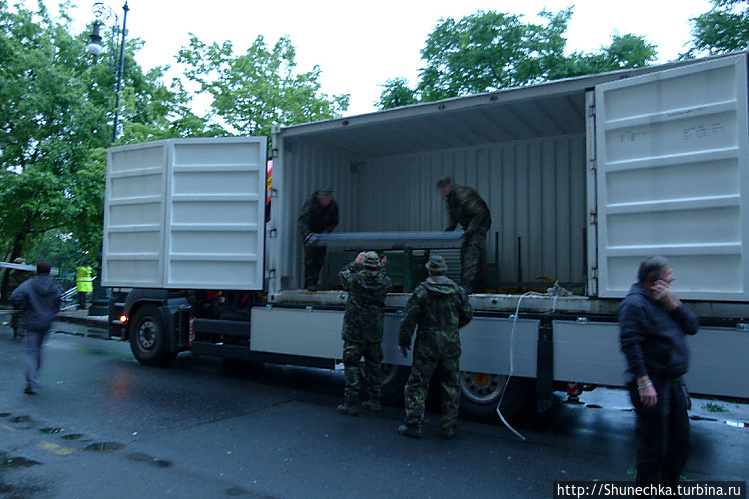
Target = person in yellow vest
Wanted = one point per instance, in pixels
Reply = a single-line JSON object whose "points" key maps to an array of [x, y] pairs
{"points": [[84, 279]]}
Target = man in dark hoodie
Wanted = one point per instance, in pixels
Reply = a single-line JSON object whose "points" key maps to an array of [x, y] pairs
{"points": [[439, 308], [653, 325], [39, 298], [363, 324]]}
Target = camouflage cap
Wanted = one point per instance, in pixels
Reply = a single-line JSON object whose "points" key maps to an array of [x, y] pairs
{"points": [[444, 181], [325, 191], [436, 265], [371, 260]]}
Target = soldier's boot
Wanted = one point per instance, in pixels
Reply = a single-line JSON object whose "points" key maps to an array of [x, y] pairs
{"points": [[348, 409], [372, 405], [409, 431], [448, 432]]}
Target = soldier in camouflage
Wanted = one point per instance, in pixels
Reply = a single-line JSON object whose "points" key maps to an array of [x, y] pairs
{"points": [[465, 207], [363, 323], [319, 216], [439, 308]]}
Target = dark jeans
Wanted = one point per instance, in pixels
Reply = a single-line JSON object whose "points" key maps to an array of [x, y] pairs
{"points": [[662, 433], [82, 299]]}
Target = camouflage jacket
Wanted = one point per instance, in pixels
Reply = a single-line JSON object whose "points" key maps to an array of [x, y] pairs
{"points": [[439, 308], [465, 207], [316, 218], [365, 309]]}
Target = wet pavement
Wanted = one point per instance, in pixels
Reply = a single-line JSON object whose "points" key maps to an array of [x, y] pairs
{"points": [[102, 425]]}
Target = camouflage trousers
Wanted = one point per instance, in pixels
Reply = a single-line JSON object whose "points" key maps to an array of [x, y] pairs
{"points": [[314, 258], [353, 351], [473, 260], [417, 388]]}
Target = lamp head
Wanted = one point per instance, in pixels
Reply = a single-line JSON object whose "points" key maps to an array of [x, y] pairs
{"points": [[94, 48]]}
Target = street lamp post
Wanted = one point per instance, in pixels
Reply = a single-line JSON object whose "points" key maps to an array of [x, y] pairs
{"points": [[102, 12]]}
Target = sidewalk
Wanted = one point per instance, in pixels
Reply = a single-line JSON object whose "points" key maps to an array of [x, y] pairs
{"points": [[75, 316]]}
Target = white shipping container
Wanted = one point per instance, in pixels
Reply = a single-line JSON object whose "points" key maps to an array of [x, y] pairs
{"points": [[583, 177]]}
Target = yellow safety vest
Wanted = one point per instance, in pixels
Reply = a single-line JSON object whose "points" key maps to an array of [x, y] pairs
{"points": [[84, 279]]}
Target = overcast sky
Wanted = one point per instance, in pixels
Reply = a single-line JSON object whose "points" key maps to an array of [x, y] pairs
{"points": [[359, 46]]}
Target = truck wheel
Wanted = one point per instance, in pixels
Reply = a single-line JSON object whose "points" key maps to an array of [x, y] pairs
{"points": [[393, 382], [480, 393], [148, 337]]}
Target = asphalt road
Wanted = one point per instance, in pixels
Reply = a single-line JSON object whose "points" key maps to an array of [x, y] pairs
{"points": [[102, 425]]}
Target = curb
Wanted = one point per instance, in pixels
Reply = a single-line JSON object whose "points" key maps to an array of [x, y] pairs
{"points": [[92, 321]]}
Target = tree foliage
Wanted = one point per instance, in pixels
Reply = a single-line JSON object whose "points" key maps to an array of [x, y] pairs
{"points": [[725, 28], [251, 92], [56, 110], [492, 50]]}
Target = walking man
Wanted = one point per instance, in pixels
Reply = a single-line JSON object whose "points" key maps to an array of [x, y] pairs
{"points": [[16, 277], [439, 308], [465, 207], [653, 325], [39, 298], [363, 323], [319, 216]]}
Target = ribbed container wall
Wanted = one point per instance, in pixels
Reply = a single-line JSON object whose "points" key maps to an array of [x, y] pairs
{"points": [[307, 168], [535, 190]]}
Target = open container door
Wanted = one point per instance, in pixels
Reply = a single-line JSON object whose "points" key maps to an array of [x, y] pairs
{"points": [[186, 214], [671, 152], [215, 214]]}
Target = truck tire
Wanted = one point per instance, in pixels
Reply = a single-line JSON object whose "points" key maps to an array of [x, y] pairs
{"points": [[480, 393], [148, 340]]}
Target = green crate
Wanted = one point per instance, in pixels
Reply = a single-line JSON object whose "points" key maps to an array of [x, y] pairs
{"points": [[406, 268]]}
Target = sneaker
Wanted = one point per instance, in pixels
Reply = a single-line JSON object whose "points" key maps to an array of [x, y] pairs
{"points": [[409, 431], [372, 405], [348, 410], [448, 433], [29, 390]]}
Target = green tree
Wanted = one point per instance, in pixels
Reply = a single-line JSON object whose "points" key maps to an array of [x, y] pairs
{"points": [[261, 88], [725, 28], [397, 93], [489, 51], [56, 108]]}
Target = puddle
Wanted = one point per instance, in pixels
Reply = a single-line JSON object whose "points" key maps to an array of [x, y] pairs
{"points": [[12, 462], [236, 491], [104, 446], [701, 418], [52, 430], [145, 458], [72, 436]]}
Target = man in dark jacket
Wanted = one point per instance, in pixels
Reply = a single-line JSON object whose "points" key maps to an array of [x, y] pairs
{"points": [[39, 298], [439, 308], [465, 207], [319, 216], [16, 277], [363, 324], [653, 325]]}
